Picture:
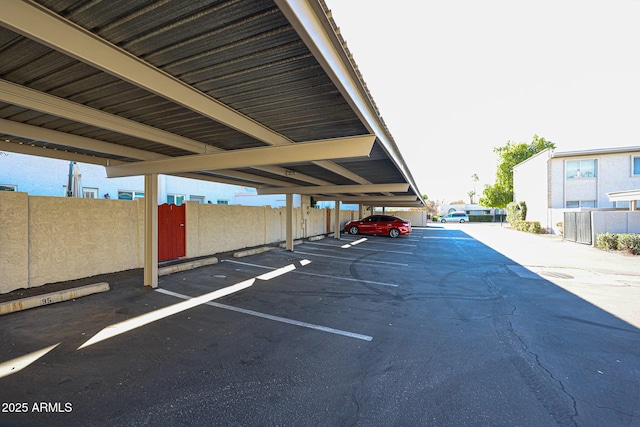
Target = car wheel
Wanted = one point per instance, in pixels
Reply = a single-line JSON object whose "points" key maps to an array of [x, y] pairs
{"points": [[462, 221], [394, 232], [354, 230], [443, 221]]}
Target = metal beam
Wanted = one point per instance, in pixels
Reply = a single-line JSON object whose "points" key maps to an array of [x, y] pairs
{"points": [[12, 93], [69, 140], [339, 170], [341, 189], [40, 24], [368, 199], [34, 150], [279, 170], [359, 146], [310, 22], [49, 104], [400, 205], [48, 28]]}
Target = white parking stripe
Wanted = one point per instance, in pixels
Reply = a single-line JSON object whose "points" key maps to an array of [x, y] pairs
{"points": [[144, 319], [381, 242], [275, 273], [352, 260], [326, 276], [348, 279], [357, 242], [448, 238], [360, 248], [275, 318]]}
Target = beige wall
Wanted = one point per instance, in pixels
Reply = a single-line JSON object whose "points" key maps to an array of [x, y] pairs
{"points": [[619, 222], [52, 239], [417, 217], [74, 238], [213, 229], [14, 243]]}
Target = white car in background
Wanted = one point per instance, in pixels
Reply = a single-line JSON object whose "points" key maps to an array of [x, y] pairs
{"points": [[455, 217]]}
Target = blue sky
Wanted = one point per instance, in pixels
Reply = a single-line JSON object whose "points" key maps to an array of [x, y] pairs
{"points": [[455, 78]]}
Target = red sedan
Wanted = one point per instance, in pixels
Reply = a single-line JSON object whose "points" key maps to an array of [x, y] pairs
{"points": [[379, 224]]}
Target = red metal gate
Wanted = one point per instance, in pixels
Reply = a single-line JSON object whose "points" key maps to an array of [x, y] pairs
{"points": [[171, 232]]}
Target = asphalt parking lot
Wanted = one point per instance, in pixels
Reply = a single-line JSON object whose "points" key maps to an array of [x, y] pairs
{"points": [[444, 327]]}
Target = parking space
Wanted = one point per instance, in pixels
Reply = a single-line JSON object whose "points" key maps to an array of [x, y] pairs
{"points": [[418, 330]]}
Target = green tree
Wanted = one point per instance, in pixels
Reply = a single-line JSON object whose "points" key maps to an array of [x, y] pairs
{"points": [[500, 193]]}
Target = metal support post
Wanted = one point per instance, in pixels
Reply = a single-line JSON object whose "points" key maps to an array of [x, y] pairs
{"points": [[151, 230]]}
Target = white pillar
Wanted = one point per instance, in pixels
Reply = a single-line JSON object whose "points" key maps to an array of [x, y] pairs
{"points": [[360, 211], [151, 230], [336, 225], [289, 222]]}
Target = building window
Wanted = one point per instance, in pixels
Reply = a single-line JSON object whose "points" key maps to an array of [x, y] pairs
{"points": [[621, 205], [8, 187], [222, 202], [636, 166], [130, 195], [581, 169], [199, 199], [581, 203], [89, 193], [175, 199]]}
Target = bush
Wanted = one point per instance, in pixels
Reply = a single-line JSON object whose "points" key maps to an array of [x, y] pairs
{"points": [[480, 218], [629, 243], [516, 212], [528, 226], [619, 242], [607, 241], [435, 218]]}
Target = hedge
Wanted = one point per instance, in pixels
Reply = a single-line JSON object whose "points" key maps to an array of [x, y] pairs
{"points": [[516, 212], [528, 226], [480, 218], [619, 242]]}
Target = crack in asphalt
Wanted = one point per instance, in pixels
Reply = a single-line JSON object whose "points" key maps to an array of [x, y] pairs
{"points": [[633, 416], [554, 405]]}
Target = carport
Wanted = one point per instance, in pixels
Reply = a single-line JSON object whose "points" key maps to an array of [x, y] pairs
{"points": [[258, 93], [631, 196]]}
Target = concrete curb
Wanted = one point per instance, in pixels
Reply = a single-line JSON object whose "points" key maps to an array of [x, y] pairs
{"points": [[295, 242], [314, 238], [248, 252], [52, 298], [165, 271]]}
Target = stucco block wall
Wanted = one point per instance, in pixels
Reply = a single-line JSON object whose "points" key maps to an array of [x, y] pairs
{"points": [[14, 243], [418, 218], [51, 239], [221, 228], [74, 238], [213, 229], [617, 222], [317, 222]]}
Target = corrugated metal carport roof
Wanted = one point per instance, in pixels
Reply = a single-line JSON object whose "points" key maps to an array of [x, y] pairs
{"points": [[135, 82]]}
